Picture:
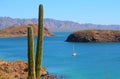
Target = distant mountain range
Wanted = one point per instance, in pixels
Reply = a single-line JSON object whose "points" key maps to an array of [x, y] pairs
{"points": [[54, 25]]}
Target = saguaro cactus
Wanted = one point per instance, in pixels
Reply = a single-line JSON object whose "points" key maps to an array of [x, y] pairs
{"points": [[39, 43], [31, 62]]}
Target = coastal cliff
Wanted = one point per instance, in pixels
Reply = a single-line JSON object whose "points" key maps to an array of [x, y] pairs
{"points": [[94, 36], [16, 31]]}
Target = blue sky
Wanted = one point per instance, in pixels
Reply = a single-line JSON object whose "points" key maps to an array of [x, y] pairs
{"points": [[82, 11]]}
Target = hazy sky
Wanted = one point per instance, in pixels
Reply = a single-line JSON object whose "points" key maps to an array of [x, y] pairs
{"points": [[82, 11]]}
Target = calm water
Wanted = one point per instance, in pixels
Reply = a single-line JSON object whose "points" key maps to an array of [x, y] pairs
{"points": [[94, 60]]}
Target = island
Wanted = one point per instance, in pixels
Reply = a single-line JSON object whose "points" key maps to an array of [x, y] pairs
{"points": [[17, 31], [94, 36]]}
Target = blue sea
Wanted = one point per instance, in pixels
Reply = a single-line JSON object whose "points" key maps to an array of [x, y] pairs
{"points": [[93, 60]]}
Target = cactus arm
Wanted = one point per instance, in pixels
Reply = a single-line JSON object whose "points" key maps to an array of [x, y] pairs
{"points": [[31, 62], [39, 50]]}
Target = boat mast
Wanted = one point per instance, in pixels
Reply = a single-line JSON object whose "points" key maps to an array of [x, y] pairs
{"points": [[73, 48]]}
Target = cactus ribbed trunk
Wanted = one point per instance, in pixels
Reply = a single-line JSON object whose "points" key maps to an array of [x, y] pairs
{"points": [[31, 62], [39, 43]]}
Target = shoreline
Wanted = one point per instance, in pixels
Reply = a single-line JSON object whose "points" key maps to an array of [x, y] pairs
{"points": [[19, 70], [23, 36], [20, 36]]}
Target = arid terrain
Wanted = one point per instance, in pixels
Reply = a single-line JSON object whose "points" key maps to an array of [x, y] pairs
{"points": [[16, 31], [94, 36], [19, 70]]}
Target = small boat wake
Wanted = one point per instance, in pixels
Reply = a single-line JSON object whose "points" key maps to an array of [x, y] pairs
{"points": [[74, 53]]}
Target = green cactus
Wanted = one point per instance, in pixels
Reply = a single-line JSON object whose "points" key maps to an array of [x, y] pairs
{"points": [[39, 51], [31, 62]]}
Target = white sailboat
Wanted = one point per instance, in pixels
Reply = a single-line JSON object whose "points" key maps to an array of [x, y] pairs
{"points": [[74, 53]]}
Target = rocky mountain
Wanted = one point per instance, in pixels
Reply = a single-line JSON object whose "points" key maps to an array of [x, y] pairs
{"points": [[95, 36], [16, 31], [54, 25], [8, 22]]}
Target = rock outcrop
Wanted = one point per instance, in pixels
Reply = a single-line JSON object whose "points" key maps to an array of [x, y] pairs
{"points": [[16, 31], [19, 70], [94, 36]]}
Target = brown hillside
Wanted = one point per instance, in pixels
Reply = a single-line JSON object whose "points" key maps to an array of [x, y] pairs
{"points": [[16, 31], [95, 36]]}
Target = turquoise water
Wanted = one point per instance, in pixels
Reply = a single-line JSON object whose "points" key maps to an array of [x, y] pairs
{"points": [[94, 60]]}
